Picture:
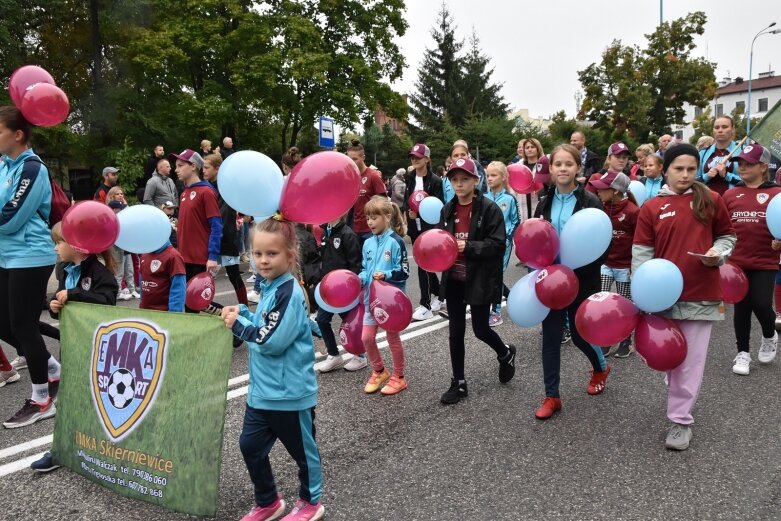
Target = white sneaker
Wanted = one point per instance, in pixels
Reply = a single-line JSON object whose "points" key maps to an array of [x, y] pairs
{"points": [[124, 295], [329, 364], [436, 305], [253, 296], [19, 363], [767, 351], [422, 313], [742, 363], [135, 294], [356, 363], [251, 278]]}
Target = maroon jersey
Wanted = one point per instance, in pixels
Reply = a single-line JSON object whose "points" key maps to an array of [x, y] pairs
{"points": [[623, 215], [197, 205], [157, 269], [668, 225], [747, 207], [371, 185], [461, 228], [718, 184]]}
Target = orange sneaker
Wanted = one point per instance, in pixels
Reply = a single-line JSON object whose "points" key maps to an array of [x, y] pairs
{"points": [[598, 381], [394, 386], [376, 380], [549, 407]]}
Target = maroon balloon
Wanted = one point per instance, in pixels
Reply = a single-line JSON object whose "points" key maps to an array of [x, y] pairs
{"points": [[660, 342], [390, 306], [45, 105], [352, 328], [25, 77], [340, 288], [320, 189], [200, 291], [734, 283], [606, 318], [90, 227], [415, 199], [520, 178], [536, 243], [556, 286], [435, 250]]}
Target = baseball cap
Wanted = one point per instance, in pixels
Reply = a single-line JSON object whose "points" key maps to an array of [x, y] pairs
{"points": [[420, 150], [110, 170], [754, 154], [117, 205], [463, 164], [617, 148], [542, 170], [615, 180], [190, 156]]}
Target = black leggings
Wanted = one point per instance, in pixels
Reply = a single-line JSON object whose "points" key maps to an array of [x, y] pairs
{"points": [[759, 300], [456, 309], [428, 282], [234, 275], [21, 292]]}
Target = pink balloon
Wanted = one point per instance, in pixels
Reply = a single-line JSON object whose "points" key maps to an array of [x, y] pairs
{"points": [[520, 178], [606, 318], [90, 227], [320, 189], [390, 306], [660, 342], [200, 291], [25, 77], [340, 288], [435, 250], [536, 243], [556, 286], [352, 328], [45, 105], [734, 283], [415, 199]]}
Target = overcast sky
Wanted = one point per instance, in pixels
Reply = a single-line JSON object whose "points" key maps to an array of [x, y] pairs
{"points": [[537, 47]]}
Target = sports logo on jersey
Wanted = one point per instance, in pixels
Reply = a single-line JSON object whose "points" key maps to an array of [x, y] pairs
{"points": [[503, 206], [126, 371], [363, 180], [739, 196], [386, 255], [155, 265], [193, 194], [86, 283], [762, 197], [337, 242], [664, 206], [621, 217]]}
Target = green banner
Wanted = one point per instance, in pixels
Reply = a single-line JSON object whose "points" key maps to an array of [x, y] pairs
{"points": [[142, 400], [768, 131]]}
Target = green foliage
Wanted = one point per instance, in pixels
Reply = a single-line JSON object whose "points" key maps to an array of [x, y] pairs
{"points": [[703, 124], [130, 161]]}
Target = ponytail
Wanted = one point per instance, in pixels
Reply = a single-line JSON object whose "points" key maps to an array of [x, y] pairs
{"points": [[397, 220], [702, 203]]}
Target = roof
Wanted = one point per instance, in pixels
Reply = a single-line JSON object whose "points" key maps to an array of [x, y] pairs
{"points": [[756, 84]]}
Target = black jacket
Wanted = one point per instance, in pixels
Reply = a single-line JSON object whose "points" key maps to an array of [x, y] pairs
{"points": [[484, 250], [432, 185], [593, 164], [340, 249], [308, 257], [589, 275], [97, 284], [228, 245]]}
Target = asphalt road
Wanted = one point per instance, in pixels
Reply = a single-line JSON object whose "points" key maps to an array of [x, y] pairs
{"points": [[408, 457]]}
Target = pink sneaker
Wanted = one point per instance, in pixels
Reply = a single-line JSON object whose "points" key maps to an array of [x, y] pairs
{"points": [[305, 511], [267, 513]]}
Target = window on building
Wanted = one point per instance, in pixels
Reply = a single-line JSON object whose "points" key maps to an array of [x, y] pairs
{"points": [[719, 109], [740, 107], [762, 105], [697, 112]]}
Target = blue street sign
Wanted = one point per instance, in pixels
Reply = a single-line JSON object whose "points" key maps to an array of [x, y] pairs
{"points": [[327, 138]]}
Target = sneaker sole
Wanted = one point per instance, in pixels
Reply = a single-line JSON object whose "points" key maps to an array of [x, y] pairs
{"points": [[355, 369], [740, 373], [622, 355], [392, 393], [47, 470], [12, 379], [19, 368], [766, 361], [331, 369], [36, 418]]}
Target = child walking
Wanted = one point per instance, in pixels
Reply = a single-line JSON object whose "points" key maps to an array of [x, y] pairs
{"points": [[282, 388], [384, 258], [163, 281], [496, 177]]}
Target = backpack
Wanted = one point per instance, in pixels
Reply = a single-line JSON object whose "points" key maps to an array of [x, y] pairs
{"points": [[60, 201]]}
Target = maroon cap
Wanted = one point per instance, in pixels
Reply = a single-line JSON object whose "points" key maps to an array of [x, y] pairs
{"points": [[189, 156], [617, 148], [615, 180], [754, 154], [542, 170], [420, 150], [463, 164]]}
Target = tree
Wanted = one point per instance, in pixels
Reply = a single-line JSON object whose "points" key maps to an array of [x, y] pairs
{"points": [[478, 97]]}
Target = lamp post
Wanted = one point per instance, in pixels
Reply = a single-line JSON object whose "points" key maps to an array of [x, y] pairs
{"points": [[750, 67]]}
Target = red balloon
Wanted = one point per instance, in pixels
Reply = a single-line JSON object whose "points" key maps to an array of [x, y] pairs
{"points": [[734, 283], [320, 189], [25, 77], [520, 178], [435, 250], [606, 318], [340, 288], [415, 199], [556, 286], [660, 342], [200, 291], [352, 328], [90, 227], [390, 306], [45, 105], [536, 243]]}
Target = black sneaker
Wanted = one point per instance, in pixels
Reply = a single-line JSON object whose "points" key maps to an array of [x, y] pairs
{"points": [[443, 313], [565, 337], [237, 341], [54, 387], [30, 413], [625, 348], [507, 366], [45, 464], [455, 393]]}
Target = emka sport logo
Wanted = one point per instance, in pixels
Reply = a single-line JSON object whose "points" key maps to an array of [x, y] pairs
{"points": [[126, 371]]}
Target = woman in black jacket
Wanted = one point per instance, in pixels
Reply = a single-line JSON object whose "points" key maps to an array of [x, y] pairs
{"points": [[476, 277]]}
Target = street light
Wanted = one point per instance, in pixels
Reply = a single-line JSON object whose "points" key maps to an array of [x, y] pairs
{"points": [[750, 66]]}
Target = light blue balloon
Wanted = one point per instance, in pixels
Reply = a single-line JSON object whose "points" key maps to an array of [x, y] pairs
{"points": [[585, 237], [523, 306], [773, 218], [331, 309], [143, 228], [656, 285], [638, 190], [430, 209], [251, 183]]}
